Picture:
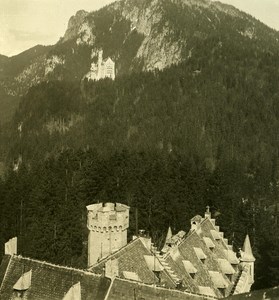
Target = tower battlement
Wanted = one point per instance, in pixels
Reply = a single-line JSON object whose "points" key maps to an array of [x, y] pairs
{"points": [[107, 224], [108, 217]]}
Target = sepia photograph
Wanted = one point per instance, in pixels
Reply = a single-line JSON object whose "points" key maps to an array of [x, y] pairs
{"points": [[139, 149]]}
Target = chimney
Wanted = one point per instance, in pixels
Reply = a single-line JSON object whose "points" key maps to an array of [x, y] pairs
{"points": [[207, 214], [11, 247], [111, 269]]}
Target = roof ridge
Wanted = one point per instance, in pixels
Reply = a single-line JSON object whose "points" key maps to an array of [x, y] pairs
{"points": [[5, 275], [116, 252], [163, 288], [54, 265]]}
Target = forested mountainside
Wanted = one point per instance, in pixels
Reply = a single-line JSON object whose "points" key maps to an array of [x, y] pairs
{"points": [[137, 35], [12, 71], [192, 119]]}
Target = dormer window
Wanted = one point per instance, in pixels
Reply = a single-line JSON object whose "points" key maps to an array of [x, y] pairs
{"points": [[219, 281], [23, 284], [200, 254], [209, 243], [190, 269], [226, 268], [74, 292], [215, 234], [231, 257], [131, 276]]}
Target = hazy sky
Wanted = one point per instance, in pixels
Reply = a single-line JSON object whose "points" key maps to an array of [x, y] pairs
{"points": [[26, 23]]}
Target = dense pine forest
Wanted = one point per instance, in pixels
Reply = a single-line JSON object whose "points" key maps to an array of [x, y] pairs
{"points": [[195, 134], [48, 213], [202, 131]]}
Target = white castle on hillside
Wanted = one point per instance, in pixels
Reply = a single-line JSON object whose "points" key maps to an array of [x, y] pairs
{"points": [[102, 69]]}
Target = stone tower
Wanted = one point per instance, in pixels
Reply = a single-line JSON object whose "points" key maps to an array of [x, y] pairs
{"points": [[100, 65], [107, 224]]}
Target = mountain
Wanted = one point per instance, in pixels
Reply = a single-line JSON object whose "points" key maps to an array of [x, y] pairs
{"points": [[3, 58], [13, 69], [214, 60], [193, 113], [137, 35]]}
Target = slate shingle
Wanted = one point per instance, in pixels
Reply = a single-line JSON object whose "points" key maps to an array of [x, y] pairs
{"points": [[51, 281]]}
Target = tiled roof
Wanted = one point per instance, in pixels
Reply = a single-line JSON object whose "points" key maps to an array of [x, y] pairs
{"points": [[3, 267], [131, 276], [131, 258], [231, 257], [153, 263], [124, 289], [271, 294], [50, 281], [218, 280], [200, 254], [206, 290], [209, 243], [207, 256], [225, 266], [216, 235], [189, 267]]}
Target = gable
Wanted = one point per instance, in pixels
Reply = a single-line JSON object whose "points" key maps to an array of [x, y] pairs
{"points": [[51, 281], [136, 257]]}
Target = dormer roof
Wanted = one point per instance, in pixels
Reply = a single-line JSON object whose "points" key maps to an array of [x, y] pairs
{"points": [[47, 281], [74, 293], [24, 282], [218, 280]]}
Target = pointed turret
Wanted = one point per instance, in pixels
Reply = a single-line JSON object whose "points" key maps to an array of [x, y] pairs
{"points": [[169, 236], [168, 241], [247, 261], [247, 253]]}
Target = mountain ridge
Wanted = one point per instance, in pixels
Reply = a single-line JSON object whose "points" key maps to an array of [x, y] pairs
{"points": [[141, 33], [167, 136]]}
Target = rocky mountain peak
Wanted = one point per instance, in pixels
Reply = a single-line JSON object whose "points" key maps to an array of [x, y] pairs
{"points": [[74, 23]]}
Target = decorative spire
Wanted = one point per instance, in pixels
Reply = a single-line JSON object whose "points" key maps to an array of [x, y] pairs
{"points": [[168, 241], [169, 236], [247, 253]]}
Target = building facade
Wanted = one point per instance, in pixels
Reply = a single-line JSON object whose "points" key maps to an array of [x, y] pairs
{"points": [[102, 69], [198, 265]]}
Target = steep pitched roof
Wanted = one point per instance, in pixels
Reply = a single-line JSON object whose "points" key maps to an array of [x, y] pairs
{"points": [[208, 256], [50, 281], [206, 290], [246, 253], [134, 258], [271, 294], [218, 280], [124, 289]]}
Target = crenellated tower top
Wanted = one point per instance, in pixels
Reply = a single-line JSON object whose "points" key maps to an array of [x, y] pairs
{"points": [[108, 216]]}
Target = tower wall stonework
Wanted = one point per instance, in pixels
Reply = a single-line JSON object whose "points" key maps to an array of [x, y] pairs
{"points": [[107, 224]]}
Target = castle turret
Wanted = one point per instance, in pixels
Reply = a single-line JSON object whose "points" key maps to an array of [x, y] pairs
{"points": [[107, 224], [247, 260], [100, 65]]}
